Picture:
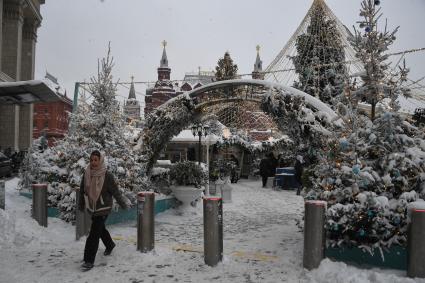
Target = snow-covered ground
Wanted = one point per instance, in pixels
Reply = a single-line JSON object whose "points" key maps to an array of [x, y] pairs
{"points": [[262, 243]]}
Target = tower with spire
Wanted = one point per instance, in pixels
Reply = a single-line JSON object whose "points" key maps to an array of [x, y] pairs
{"points": [[163, 89], [257, 74], [132, 106]]}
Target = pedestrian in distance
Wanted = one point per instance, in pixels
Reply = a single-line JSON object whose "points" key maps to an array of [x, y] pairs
{"points": [[299, 166], [234, 177], [274, 163], [97, 188], [267, 168]]}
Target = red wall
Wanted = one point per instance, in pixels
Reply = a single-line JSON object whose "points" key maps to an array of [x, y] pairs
{"points": [[52, 118]]}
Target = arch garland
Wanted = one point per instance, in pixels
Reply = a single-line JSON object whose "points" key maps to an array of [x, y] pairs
{"points": [[305, 119]]}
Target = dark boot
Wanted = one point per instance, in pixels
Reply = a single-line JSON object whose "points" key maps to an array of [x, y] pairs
{"points": [[108, 251], [86, 266]]}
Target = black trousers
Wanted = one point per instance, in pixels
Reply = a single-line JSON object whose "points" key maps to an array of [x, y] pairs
{"points": [[264, 179], [97, 231]]}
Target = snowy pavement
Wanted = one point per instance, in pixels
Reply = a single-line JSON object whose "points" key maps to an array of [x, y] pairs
{"points": [[262, 243]]}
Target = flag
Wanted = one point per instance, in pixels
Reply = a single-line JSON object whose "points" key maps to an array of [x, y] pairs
{"points": [[51, 78]]}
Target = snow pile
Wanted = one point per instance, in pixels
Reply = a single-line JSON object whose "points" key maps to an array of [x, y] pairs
{"points": [[262, 243], [330, 271], [7, 228]]}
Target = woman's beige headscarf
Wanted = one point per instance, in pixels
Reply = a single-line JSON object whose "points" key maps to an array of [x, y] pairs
{"points": [[93, 180]]}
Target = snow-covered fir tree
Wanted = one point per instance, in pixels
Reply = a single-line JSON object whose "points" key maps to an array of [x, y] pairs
{"points": [[368, 180], [371, 46], [99, 125], [319, 62], [368, 173], [225, 69], [306, 128]]}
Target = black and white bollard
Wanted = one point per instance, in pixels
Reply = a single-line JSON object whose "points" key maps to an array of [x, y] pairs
{"points": [[213, 230], [145, 221], [39, 203], [82, 218], [314, 234], [416, 244], [2, 195]]}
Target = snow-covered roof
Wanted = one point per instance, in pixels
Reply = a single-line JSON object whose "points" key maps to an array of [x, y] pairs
{"points": [[26, 92], [187, 136]]}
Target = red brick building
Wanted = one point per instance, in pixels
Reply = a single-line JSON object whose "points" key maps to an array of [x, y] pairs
{"points": [[52, 119], [163, 89]]}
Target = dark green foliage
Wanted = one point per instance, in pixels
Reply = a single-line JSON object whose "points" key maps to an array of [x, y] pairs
{"points": [[419, 116], [221, 169], [188, 173], [225, 69]]}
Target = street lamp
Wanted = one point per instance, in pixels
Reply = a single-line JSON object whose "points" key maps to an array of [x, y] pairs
{"points": [[208, 141], [200, 130]]}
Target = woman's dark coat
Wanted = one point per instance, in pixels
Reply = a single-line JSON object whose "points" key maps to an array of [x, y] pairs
{"points": [[104, 203]]}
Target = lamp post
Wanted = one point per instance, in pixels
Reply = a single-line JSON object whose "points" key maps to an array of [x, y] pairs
{"points": [[199, 130], [208, 142]]}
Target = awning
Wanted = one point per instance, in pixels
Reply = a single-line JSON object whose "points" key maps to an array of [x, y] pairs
{"points": [[186, 136], [23, 92]]}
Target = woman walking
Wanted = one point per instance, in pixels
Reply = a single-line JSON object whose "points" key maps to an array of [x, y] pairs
{"points": [[96, 191]]}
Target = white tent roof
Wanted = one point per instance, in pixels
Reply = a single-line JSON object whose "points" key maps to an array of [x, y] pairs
{"points": [[187, 136]]}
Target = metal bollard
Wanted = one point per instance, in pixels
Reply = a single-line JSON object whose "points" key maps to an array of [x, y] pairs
{"points": [[213, 230], [145, 221], [314, 234], [2, 195], [39, 203], [416, 245], [82, 218]]}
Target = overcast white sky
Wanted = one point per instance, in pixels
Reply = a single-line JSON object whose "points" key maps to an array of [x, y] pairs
{"points": [[75, 33]]}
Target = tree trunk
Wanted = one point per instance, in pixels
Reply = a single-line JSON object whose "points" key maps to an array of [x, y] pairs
{"points": [[372, 111]]}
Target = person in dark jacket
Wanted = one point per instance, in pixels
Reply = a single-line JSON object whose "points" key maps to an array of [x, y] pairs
{"points": [[234, 177], [299, 166], [274, 163], [267, 168], [264, 170], [97, 188]]}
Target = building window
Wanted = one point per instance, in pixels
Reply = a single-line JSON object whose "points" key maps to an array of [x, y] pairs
{"points": [[46, 124]]}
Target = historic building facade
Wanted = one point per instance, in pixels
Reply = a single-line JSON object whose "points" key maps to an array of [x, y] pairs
{"points": [[18, 35], [163, 89], [257, 73], [132, 106], [51, 119]]}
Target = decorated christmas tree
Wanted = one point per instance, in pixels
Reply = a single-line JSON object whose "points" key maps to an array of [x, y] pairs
{"points": [[371, 46], [225, 69], [319, 62], [370, 170]]}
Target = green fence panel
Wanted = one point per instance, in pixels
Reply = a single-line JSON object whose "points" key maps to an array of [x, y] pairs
{"points": [[120, 215], [394, 258]]}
